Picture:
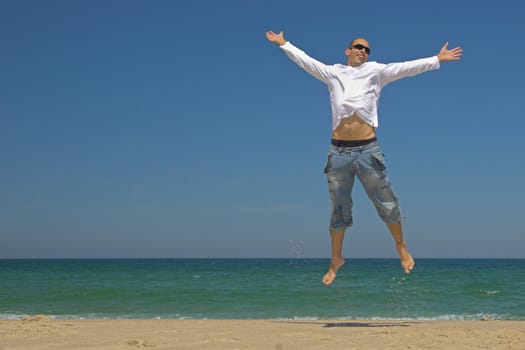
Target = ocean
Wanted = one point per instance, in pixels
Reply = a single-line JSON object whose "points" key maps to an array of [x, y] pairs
{"points": [[437, 289]]}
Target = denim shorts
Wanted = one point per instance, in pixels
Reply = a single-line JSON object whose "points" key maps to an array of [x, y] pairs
{"points": [[368, 164]]}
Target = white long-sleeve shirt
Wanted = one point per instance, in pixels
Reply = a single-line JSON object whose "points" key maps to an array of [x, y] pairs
{"points": [[357, 89]]}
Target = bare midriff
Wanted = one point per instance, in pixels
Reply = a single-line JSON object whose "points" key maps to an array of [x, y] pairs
{"points": [[353, 128]]}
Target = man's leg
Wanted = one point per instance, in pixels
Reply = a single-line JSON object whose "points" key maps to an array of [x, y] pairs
{"points": [[337, 259], [407, 262], [340, 176], [377, 185]]}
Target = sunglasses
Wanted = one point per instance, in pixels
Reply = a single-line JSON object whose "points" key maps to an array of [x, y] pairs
{"points": [[361, 47]]}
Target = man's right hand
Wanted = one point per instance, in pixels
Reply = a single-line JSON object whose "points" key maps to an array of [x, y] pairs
{"points": [[276, 38]]}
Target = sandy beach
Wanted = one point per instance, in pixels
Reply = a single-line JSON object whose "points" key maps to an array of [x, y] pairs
{"points": [[41, 332]]}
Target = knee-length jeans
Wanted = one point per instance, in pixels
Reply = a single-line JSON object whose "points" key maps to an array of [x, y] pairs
{"points": [[367, 162]]}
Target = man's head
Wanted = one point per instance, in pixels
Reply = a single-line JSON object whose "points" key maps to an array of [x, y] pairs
{"points": [[357, 52]]}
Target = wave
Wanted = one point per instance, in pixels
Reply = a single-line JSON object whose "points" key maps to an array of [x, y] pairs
{"points": [[447, 317]]}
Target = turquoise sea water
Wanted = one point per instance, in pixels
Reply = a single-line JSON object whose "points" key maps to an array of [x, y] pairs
{"points": [[262, 288]]}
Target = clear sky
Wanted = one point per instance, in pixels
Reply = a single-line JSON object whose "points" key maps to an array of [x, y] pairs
{"points": [[174, 129]]}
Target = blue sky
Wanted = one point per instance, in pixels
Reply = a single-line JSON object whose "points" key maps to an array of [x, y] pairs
{"points": [[174, 129]]}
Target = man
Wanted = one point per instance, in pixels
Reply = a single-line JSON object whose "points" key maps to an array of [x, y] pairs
{"points": [[355, 89]]}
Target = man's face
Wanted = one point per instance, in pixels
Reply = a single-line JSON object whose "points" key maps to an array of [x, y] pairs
{"points": [[358, 52]]}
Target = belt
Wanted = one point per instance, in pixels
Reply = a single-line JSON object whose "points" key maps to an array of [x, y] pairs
{"points": [[352, 143]]}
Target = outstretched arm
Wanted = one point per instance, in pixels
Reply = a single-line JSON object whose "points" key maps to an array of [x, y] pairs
{"points": [[276, 38], [446, 55], [316, 68]]}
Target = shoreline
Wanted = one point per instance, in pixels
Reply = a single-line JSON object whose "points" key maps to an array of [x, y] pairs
{"points": [[42, 332]]}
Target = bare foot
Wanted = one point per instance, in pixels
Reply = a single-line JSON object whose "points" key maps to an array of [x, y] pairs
{"points": [[330, 276], [407, 263]]}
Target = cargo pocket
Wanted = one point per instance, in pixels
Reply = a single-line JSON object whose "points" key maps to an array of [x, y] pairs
{"points": [[378, 160], [327, 165]]}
